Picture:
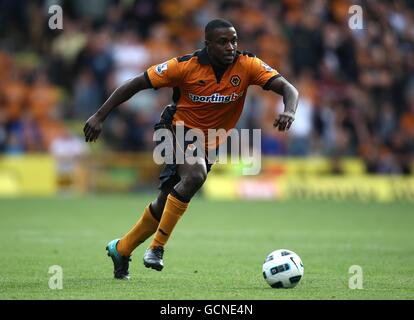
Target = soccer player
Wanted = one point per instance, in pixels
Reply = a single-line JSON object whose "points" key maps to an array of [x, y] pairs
{"points": [[209, 92]]}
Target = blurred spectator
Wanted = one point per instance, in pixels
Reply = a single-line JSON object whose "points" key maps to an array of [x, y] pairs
{"points": [[13, 94], [131, 57], [98, 57], [26, 133], [300, 134], [306, 44], [387, 121], [87, 96], [67, 149], [43, 97]]}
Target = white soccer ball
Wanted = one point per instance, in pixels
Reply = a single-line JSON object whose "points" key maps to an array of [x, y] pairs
{"points": [[283, 269]]}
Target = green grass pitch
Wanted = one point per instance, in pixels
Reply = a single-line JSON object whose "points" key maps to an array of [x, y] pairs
{"points": [[216, 251]]}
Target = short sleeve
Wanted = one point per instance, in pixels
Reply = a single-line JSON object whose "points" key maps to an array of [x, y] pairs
{"points": [[166, 74], [261, 74]]}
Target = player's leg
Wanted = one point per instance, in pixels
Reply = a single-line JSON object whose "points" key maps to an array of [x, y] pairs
{"points": [[146, 225], [192, 178], [120, 249]]}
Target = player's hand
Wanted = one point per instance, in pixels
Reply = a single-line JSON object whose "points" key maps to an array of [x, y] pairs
{"points": [[284, 121], [92, 128]]}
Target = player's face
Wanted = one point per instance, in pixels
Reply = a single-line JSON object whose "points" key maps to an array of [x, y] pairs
{"points": [[222, 45]]}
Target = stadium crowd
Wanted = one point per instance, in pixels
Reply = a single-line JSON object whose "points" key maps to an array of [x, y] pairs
{"points": [[356, 86]]}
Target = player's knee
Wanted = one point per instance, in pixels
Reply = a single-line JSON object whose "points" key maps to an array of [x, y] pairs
{"points": [[157, 206], [156, 210], [195, 178]]}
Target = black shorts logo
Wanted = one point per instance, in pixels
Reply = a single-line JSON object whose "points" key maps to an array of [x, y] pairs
{"points": [[235, 80]]}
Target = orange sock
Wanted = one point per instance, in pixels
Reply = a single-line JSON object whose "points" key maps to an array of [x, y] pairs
{"points": [[142, 230], [173, 211]]}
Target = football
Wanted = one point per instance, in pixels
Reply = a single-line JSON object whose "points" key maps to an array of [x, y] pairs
{"points": [[283, 269]]}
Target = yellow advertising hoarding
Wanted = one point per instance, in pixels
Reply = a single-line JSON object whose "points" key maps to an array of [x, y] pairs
{"points": [[283, 179], [27, 175], [363, 188]]}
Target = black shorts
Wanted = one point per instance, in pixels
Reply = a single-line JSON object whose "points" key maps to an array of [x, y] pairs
{"points": [[169, 176]]}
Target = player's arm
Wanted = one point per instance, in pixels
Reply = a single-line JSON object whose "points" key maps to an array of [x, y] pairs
{"points": [[290, 99], [268, 78], [93, 126]]}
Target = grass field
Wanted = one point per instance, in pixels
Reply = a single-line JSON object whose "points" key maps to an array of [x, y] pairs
{"points": [[216, 251]]}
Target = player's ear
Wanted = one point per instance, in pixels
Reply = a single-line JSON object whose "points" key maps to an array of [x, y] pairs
{"points": [[206, 43]]}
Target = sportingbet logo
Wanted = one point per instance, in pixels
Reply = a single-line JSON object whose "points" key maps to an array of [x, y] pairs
{"points": [[216, 98]]}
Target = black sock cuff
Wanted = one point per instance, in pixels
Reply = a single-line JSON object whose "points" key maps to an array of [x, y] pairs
{"points": [[178, 196]]}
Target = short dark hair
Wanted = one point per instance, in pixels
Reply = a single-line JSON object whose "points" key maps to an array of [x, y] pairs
{"points": [[216, 24]]}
